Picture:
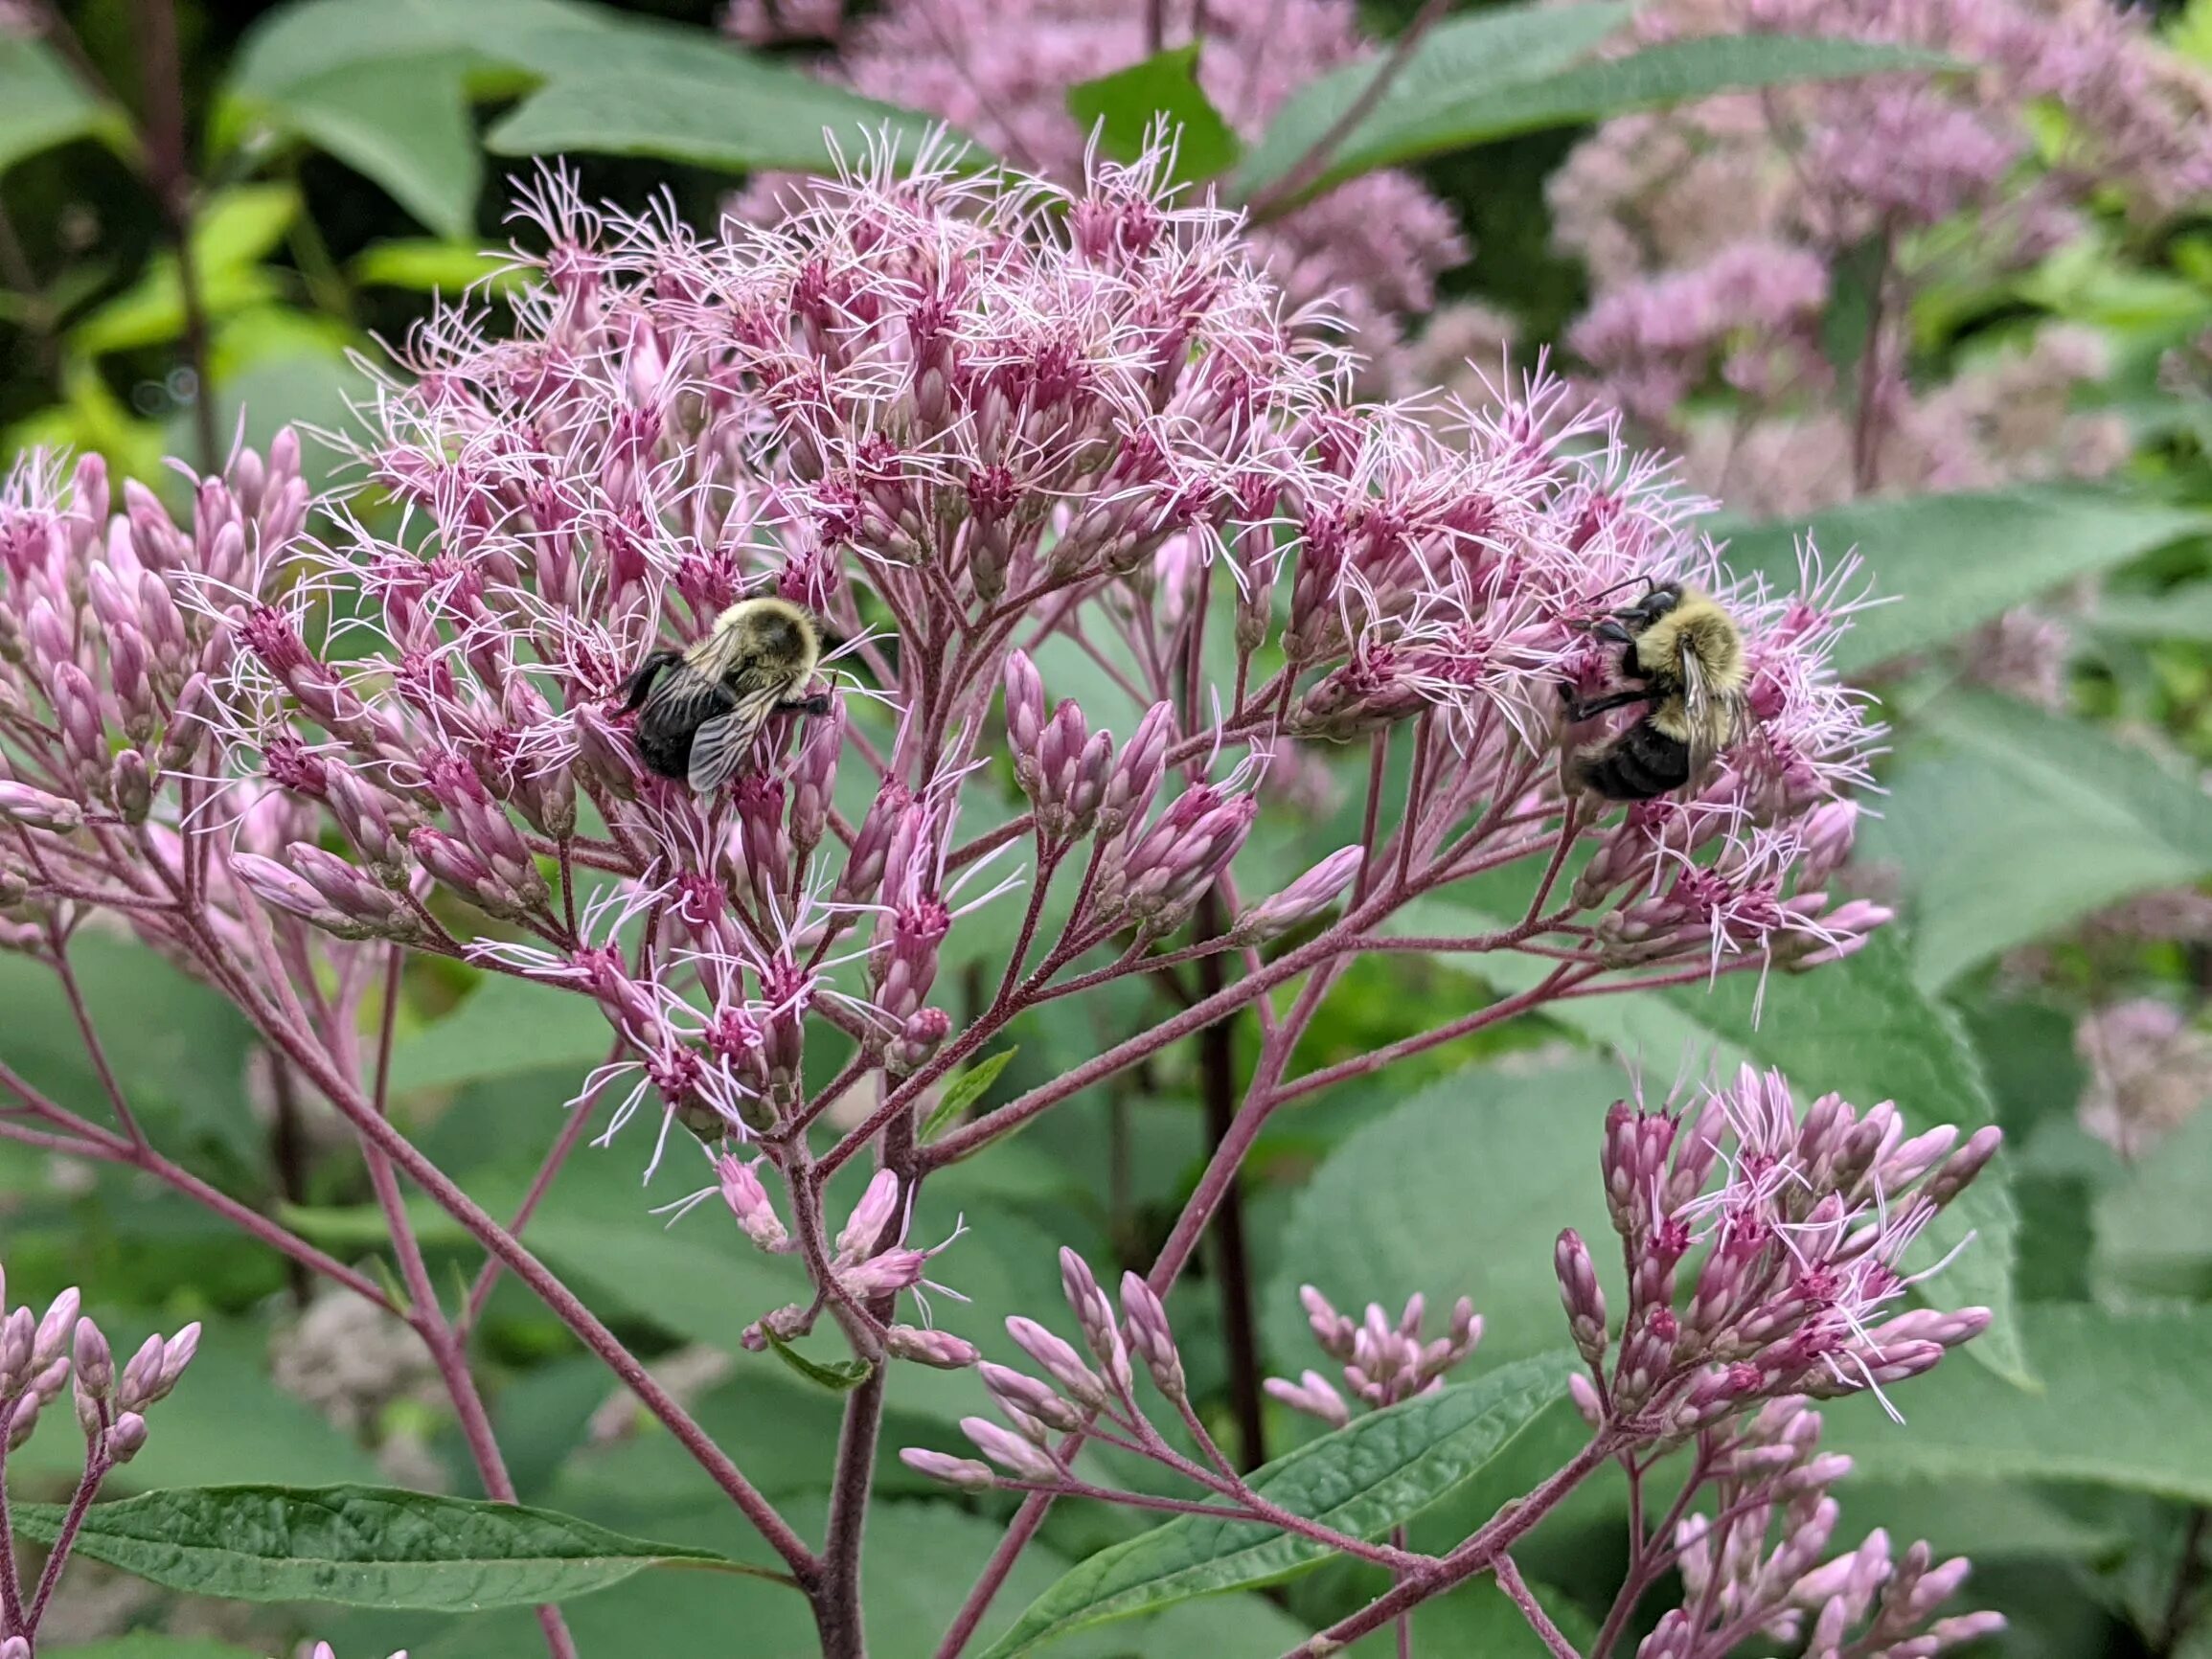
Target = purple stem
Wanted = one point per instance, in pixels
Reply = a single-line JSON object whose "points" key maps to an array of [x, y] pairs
{"points": [[1510, 1581], [11, 1583], [96, 1468]]}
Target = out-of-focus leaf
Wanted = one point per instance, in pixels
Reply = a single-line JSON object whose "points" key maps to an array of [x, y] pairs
{"points": [[1457, 1190], [965, 1090], [2120, 1404], [750, 117], [1364, 1480], [240, 227], [1457, 61], [450, 268], [358, 1546], [42, 105], [2180, 613], [507, 1027], [155, 1645], [404, 122], [300, 42], [178, 1051], [2154, 1227], [1948, 563], [1671, 72], [1127, 105], [2008, 823]]}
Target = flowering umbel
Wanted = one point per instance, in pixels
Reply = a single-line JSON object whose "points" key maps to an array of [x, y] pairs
{"points": [[981, 426]]}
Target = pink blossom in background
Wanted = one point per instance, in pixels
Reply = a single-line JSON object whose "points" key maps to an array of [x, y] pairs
{"points": [[1368, 252], [2150, 1073], [1724, 208]]}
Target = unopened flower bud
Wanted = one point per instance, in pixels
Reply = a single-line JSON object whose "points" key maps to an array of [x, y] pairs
{"points": [[1032, 1407], [25, 1419], [1149, 1334], [1060, 1361], [1579, 1290], [940, 1349], [55, 1330], [1313, 1395], [1095, 1315], [1136, 776], [125, 1435], [1298, 903], [35, 810], [961, 1474], [1024, 720], [1010, 1451], [749, 1202], [130, 785], [871, 1216]]}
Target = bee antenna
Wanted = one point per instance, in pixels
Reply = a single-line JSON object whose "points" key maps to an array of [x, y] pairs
{"points": [[1625, 582]]}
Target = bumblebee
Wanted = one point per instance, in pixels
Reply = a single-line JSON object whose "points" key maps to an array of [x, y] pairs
{"points": [[1683, 656], [699, 710]]}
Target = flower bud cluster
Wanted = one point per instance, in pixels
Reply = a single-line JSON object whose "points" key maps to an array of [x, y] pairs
{"points": [[1754, 1565], [1383, 1362], [1798, 1276]]}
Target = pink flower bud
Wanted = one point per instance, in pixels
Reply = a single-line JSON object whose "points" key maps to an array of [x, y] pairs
{"points": [[94, 1363], [871, 1216], [1136, 776], [922, 1037], [37, 809], [1024, 718], [24, 1419], [940, 1349], [749, 1202], [814, 778], [1095, 1315], [55, 1330], [1149, 1334], [1312, 1396], [1010, 1451], [140, 1376], [348, 889], [893, 1270], [1304, 898], [1059, 1360], [1331, 1328], [130, 785], [961, 1474], [1029, 1404], [1579, 1290], [126, 1436]]}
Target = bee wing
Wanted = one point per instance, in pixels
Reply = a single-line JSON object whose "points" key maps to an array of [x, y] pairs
{"points": [[719, 745], [1712, 716]]}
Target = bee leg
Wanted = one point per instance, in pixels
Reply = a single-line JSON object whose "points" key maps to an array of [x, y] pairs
{"points": [[1579, 710], [817, 704], [639, 683]]}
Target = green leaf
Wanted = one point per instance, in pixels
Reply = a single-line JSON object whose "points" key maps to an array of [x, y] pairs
{"points": [[178, 1050], [1457, 62], [240, 227], [403, 122], [1672, 72], [300, 42], [1362, 1480], [506, 1027], [155, 1645], [2153, 1229], [965, 1090], [358, 1546], [42, 105], [1948, 563], [837, 1376], [2008, 823], [2121, 1405], [749, 117], [1126, 106], [430, 267], [2180, 613]]}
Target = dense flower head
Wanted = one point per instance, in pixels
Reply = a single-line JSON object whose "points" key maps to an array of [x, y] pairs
{"points": [[1803, 1219], [2148, 1072], [955, 417], [1384, 1360], [1369, 250]]}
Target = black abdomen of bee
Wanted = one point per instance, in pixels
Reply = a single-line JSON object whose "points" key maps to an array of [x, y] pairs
{"points": [[1642, 763], [665, 733]]}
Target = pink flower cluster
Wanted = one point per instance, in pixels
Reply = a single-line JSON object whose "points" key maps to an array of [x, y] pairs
{"points": [[1367, 252], [1716, 234], [1384, 1361]]}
